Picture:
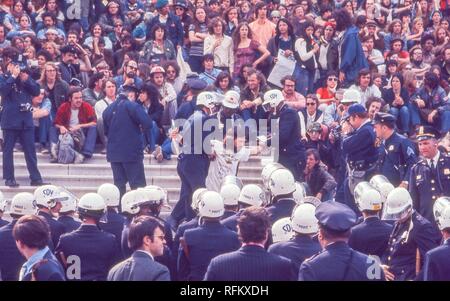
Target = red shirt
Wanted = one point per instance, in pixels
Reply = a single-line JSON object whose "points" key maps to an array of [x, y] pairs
{"points": [[86, 114]]}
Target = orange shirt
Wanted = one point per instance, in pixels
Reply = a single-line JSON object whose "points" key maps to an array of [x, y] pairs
{"points": [[262, 32]]}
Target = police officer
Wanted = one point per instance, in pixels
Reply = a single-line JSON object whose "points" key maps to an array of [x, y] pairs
{"points": [[67, 213], [430, 177], [17, 89], [48, 202], [291, 150], [95, 251], [129, 210], [358, 149], [114, 221], [437, 265], [123, 120], [230, 191], [193, 162], [228, 115], [281, 187], [412, 237], [251, 195], [210, 239], [10, 258], [302, 245], [337, 261], [372, 235], [397, 153], [194, 86], [281, 230]]}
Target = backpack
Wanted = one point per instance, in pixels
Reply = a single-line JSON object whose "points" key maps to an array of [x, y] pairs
{"points": [[66, 150]]}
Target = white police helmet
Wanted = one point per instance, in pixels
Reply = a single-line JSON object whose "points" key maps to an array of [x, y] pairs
{"points": [[351, 96], [444, 220], [272, 99], [128, 203], [230, 190], [110, 193], [23, 203], [163, 195], [152, 195], [367, 197], [211, 205], [398, 203], [47, 195], [196, 198], [252, 195], [299, 193], [69, 204], [281, 182], [304, 219], [206, 99], [439, 205], [231, 100], [92, 204], [282, 230], [382, 184], [267, 172]]}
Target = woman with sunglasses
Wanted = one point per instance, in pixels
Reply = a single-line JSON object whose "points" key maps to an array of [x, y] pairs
{"points": [[326, 94]]}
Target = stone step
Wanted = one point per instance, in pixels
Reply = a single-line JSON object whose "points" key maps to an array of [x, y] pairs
{"points": [[101, 159], [105, 169]]}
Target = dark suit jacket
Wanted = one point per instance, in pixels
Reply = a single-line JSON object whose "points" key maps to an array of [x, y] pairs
{"points": [[250, 263], [56, 228], [370, 237], [139, 267], [437, 264], [69, 223], [282, 208], [10, 258]]}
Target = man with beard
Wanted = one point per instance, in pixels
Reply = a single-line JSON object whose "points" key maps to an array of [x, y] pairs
{"points": [[418, 66], [67, 67], [427, 43], [373, 106], [351, 58], [129, 77]]}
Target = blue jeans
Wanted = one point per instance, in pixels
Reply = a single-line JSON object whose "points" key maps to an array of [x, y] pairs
{"points": [[403, 117], [90, 134], [166, 148], [150, 137], [445, 121], [304, 80], [414, 113], [42, 131]]}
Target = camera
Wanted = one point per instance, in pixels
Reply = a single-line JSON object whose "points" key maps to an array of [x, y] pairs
{"points": [[25, 107], [336, 132], [21, 62]]}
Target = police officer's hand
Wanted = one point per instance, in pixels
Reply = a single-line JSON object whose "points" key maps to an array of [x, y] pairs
{"points": [[23, 76], [14, 70], [387, 274]]}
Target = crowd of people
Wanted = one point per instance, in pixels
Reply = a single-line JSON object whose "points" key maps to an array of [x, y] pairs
{"points": [[357, 126]]}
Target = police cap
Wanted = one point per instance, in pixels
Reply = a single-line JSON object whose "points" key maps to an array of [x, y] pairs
{"points": [[384, 118], [196, 84], [335, 216], [354, 109], [426, 132], [130, 88]]}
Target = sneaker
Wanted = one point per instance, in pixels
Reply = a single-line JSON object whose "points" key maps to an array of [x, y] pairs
{"points": [[158, 154], [79, 158], [103, 151]]}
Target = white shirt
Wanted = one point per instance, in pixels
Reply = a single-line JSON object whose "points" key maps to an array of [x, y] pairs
{"points": [[435, 160], [223, 54], [74, 117], [101, 106], [225, 164]]}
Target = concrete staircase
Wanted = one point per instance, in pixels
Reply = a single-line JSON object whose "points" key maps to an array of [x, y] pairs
{"points": [[86, 177]]}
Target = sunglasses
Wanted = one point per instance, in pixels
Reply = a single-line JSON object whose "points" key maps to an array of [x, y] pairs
{"points": [[310, 103], [332, 79], [171, 71]]}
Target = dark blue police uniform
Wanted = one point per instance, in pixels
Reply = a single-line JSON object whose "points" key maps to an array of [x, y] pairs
{"points": [[193, 164], [370, 237], [338, 262], [56, 228], [281, 208], [250, 263], [291, 149], [408, 243], [3, 223], [10, 258], [97, 250], [361, 155], [437, 263], [123, 122], [46, 269], [298, 249], [17, 123], [200, 245], [232, 221], [114, 224], [69, 223]]}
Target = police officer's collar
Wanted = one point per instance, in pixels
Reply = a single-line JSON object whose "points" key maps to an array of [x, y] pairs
{"points": [[364, 123], [435, 158], [336, 245]]}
